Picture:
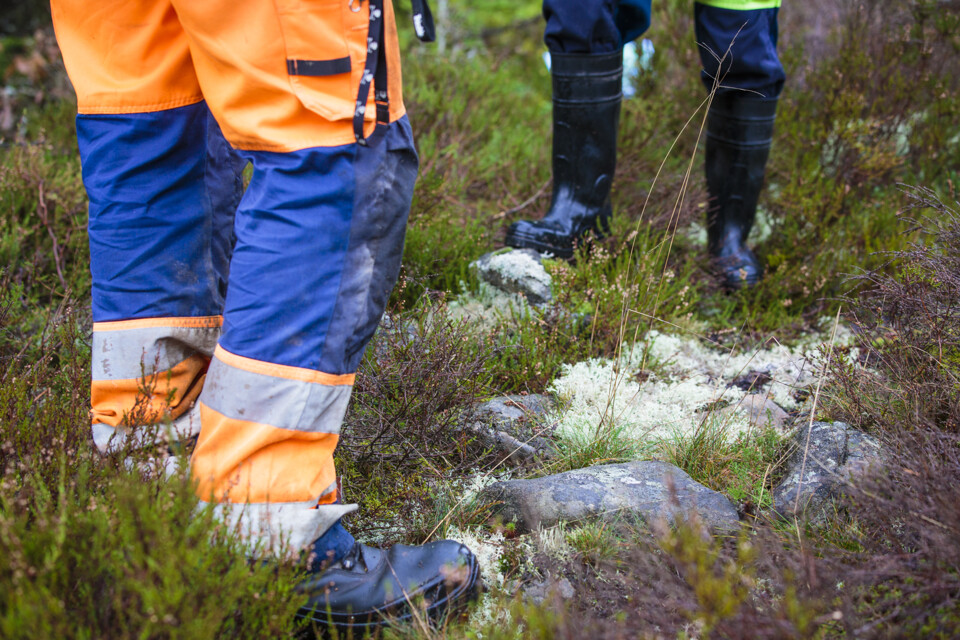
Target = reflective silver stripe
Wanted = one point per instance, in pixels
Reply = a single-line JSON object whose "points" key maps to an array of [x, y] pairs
{"points": [[109, 438], [280, 527], [279, 402], [117, 355]]}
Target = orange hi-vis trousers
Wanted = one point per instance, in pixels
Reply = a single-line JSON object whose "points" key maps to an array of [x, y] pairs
{"points": [[239, 315]]}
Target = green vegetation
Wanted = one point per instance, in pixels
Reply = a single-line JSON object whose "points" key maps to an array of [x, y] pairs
{"points": [[744, 469], [93, 547]]}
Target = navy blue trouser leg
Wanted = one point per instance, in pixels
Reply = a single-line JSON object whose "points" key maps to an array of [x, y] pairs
{"points": [[593, 26], [746, 41], [603, 26]]}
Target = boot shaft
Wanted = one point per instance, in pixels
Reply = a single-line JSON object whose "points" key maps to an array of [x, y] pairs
{"points": [[586, 118], [739, 134]]}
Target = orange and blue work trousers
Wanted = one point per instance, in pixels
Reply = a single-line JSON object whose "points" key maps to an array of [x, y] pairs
{"points": [[240, 314]]}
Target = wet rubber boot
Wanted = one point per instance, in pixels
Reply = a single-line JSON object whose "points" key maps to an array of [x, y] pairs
{"points": [[739, 132], [370, 588], [586, 115]]}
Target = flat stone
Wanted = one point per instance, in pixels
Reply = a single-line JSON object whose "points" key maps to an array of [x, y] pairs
{"points": [[862, 452], [517, 271], [650, 490], [761, 411], [507, 409], [837, 453], [537, 592]]}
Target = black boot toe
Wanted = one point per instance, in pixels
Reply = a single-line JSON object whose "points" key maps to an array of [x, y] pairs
{"points": [[739, 269], [372, 587], [544, 238]]}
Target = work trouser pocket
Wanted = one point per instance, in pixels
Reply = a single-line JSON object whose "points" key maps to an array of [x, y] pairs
{"points": [[325, 44]]}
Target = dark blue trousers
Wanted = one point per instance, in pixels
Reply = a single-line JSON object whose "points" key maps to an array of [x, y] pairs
{"points": [[602, 26]]}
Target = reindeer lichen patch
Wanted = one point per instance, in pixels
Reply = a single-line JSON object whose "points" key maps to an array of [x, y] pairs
{"points": [[665, 385]]}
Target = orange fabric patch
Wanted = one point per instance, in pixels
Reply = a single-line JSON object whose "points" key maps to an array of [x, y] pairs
{"points": [[239, 462], [328, 498], [125, 57], [172, 392], [198, 322], [281, 370]]}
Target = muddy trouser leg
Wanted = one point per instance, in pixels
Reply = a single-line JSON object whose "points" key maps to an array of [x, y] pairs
{"points": [[317, 239], [163, 185], [308, 284]]}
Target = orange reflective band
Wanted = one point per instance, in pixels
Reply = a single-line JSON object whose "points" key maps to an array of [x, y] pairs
{"points": [[282, 371], [240, 462], [198, 322], [330, 497], [172, 392]]}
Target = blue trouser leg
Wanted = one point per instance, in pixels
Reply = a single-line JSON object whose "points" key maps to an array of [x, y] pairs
{"points": [[739, 56], [595, 26], [751, 38], [163, 187], [319, 239]]}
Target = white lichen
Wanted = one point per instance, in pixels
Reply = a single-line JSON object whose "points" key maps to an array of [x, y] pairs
{"points": [[519, 265], [485, 308], [661, 386], [488, 548]]}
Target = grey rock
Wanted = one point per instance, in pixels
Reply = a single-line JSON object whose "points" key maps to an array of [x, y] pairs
{"points": [[537, 592], [816, 474], [761, 411], [516, 451], [862, 452], [506, 409], [514, 426], [517, 271], [648, 489]]}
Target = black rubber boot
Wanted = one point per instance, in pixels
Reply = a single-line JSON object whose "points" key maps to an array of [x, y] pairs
{"points": [[586, 114], [739, 132], [372, 587]]}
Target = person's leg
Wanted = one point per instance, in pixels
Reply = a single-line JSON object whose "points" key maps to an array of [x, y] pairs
{"points": [[319, 238], [586, 69], [581, 27], [585, 41], [163, 186], [738, 41]]}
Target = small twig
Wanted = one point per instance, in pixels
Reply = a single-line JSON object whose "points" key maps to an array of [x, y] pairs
{"points": [[45, 219], [526, 203], [813, 411]]}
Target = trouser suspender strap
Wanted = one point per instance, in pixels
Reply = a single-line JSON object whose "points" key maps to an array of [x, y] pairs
{"points": [[375, 73], [423, 20]]}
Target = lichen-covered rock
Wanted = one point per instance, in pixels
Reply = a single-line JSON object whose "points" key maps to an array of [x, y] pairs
{"points": [[650, 490], [538, 592], [514, 425], [818, 471], [507, 409], [517, 271]]}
